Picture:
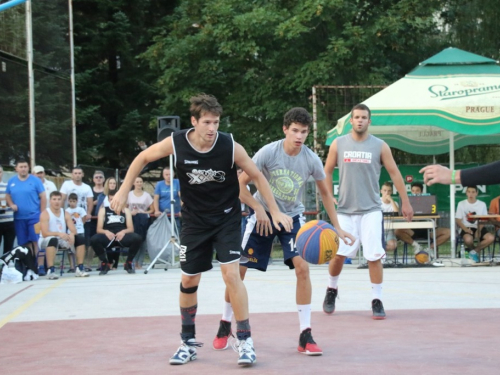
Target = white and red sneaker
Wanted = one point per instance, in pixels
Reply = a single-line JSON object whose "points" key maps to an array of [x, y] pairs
{"points": [[307, 345]]}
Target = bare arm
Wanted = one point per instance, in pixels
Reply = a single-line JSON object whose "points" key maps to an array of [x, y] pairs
{"points": [[327, 199], [243, 160], [43, 201], [10, 203], [157, 151], [331, 163], [397, 179], [130, 225], [100, 224], [90, 207], [156, 205]]}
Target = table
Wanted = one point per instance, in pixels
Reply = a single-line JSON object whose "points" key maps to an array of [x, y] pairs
{"points": [[418, 222]]}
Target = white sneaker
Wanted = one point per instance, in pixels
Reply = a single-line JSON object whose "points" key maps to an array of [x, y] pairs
{"points": [[79, 273], [185, 353], [246, 352], [51, 275]]}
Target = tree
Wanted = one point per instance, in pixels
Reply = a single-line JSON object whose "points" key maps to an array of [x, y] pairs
{"points": [[260, 58], [115, 97]]}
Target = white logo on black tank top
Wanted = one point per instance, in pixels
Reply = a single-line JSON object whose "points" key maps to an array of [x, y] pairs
{"points": [[190, 161], [199, 176], [112, 219]]}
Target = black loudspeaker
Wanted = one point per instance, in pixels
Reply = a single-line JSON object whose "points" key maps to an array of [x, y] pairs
{"points": [[167, 125]]}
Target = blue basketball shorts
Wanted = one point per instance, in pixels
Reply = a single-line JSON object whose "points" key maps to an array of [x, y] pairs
{"points": [[257, 248]]}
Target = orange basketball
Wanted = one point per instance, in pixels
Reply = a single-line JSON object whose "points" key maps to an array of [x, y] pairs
{"points": [[422, 257]]}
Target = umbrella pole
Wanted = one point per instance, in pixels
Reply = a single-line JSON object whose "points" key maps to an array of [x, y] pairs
{"points": [[452, 197]]}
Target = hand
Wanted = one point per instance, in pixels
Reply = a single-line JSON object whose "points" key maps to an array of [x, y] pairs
{"points": [[14, 207], [64, 237], [263, 226], [119, 201], [110, 235], [335, 201], [344, 236], [119, 236], [407, 210], [283, 219], [157, 214], [436, 174], [134, 212]]}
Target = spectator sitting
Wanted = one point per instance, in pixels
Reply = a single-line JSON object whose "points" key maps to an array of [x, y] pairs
{"points": [[472, 206], [115, 230], [388, 205], [409, 235], [495, 210], [49, 186], [77, 215], [91, 226], [161, 200], [58, 230], [140, 204], [7, 231]]}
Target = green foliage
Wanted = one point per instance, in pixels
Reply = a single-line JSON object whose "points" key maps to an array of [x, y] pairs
{"points": [[260, 58], [115, 96]]}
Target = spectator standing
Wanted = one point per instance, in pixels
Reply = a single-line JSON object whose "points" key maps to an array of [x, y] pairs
{"points": [[140, 204], [85, 197], [25, 195], [7, 231], [49, 186], [162, 197], [91, 226]]}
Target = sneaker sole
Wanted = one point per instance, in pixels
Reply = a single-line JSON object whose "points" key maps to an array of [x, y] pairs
{"points": [[218, 349], [176, 363], [246, 363], [306, 352], [378, 317], [328, 312]]}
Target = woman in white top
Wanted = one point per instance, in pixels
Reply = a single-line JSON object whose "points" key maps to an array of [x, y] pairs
{"points": [[140, 204]]}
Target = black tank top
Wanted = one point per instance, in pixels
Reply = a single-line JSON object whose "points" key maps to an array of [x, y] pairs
{"points": [[209, 182], [113, 222]]}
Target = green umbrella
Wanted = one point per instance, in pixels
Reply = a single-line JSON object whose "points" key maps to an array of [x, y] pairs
{"points": [[449, 101], [452, 93]]}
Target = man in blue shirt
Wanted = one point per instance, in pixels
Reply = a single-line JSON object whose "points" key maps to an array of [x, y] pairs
{"points": [[25, 195], [161, 202]]}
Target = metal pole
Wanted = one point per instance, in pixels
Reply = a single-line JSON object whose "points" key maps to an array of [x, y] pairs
{"points": [[315, 140], [452, 197], [10, 4], [73, 94], [31, 82]]}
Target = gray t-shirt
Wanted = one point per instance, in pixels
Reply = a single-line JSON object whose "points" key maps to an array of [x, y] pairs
{"points": [[287, 175], [359, 173]]}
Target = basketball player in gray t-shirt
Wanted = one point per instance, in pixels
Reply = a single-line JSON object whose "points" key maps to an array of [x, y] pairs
{"points": [[286, 164], [360, 156]]}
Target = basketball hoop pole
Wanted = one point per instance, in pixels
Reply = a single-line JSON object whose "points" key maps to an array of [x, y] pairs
{"points": [[173, 225]]}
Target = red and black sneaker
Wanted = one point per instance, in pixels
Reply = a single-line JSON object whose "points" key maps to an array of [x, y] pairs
{"points": [[378, 310], [220, 341], [307, 345], [104, 268]]}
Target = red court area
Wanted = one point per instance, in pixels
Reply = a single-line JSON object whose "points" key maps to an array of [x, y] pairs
{"points": [[407, 342]]}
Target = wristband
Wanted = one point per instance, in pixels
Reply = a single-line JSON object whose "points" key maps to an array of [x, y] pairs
{"points": [[453, 177]]}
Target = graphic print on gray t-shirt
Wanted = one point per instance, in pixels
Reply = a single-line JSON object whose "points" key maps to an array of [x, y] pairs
{"points": [[287, 175], [359, 173]]}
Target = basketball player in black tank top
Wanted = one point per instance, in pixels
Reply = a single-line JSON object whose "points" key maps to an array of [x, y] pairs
{"points": [[206, 167]]}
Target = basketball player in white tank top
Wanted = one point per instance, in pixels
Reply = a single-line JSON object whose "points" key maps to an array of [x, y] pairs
{"points": [[360, 157]]}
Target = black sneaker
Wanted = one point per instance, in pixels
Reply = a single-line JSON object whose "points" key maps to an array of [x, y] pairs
{"points": [[329, 302], [104, 268], [71, 270], [127, 266], [378, 310], [307, 345], [221, 339]]}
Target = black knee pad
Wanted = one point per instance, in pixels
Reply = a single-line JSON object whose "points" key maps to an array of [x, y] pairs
{"points": [[189, 290]]}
